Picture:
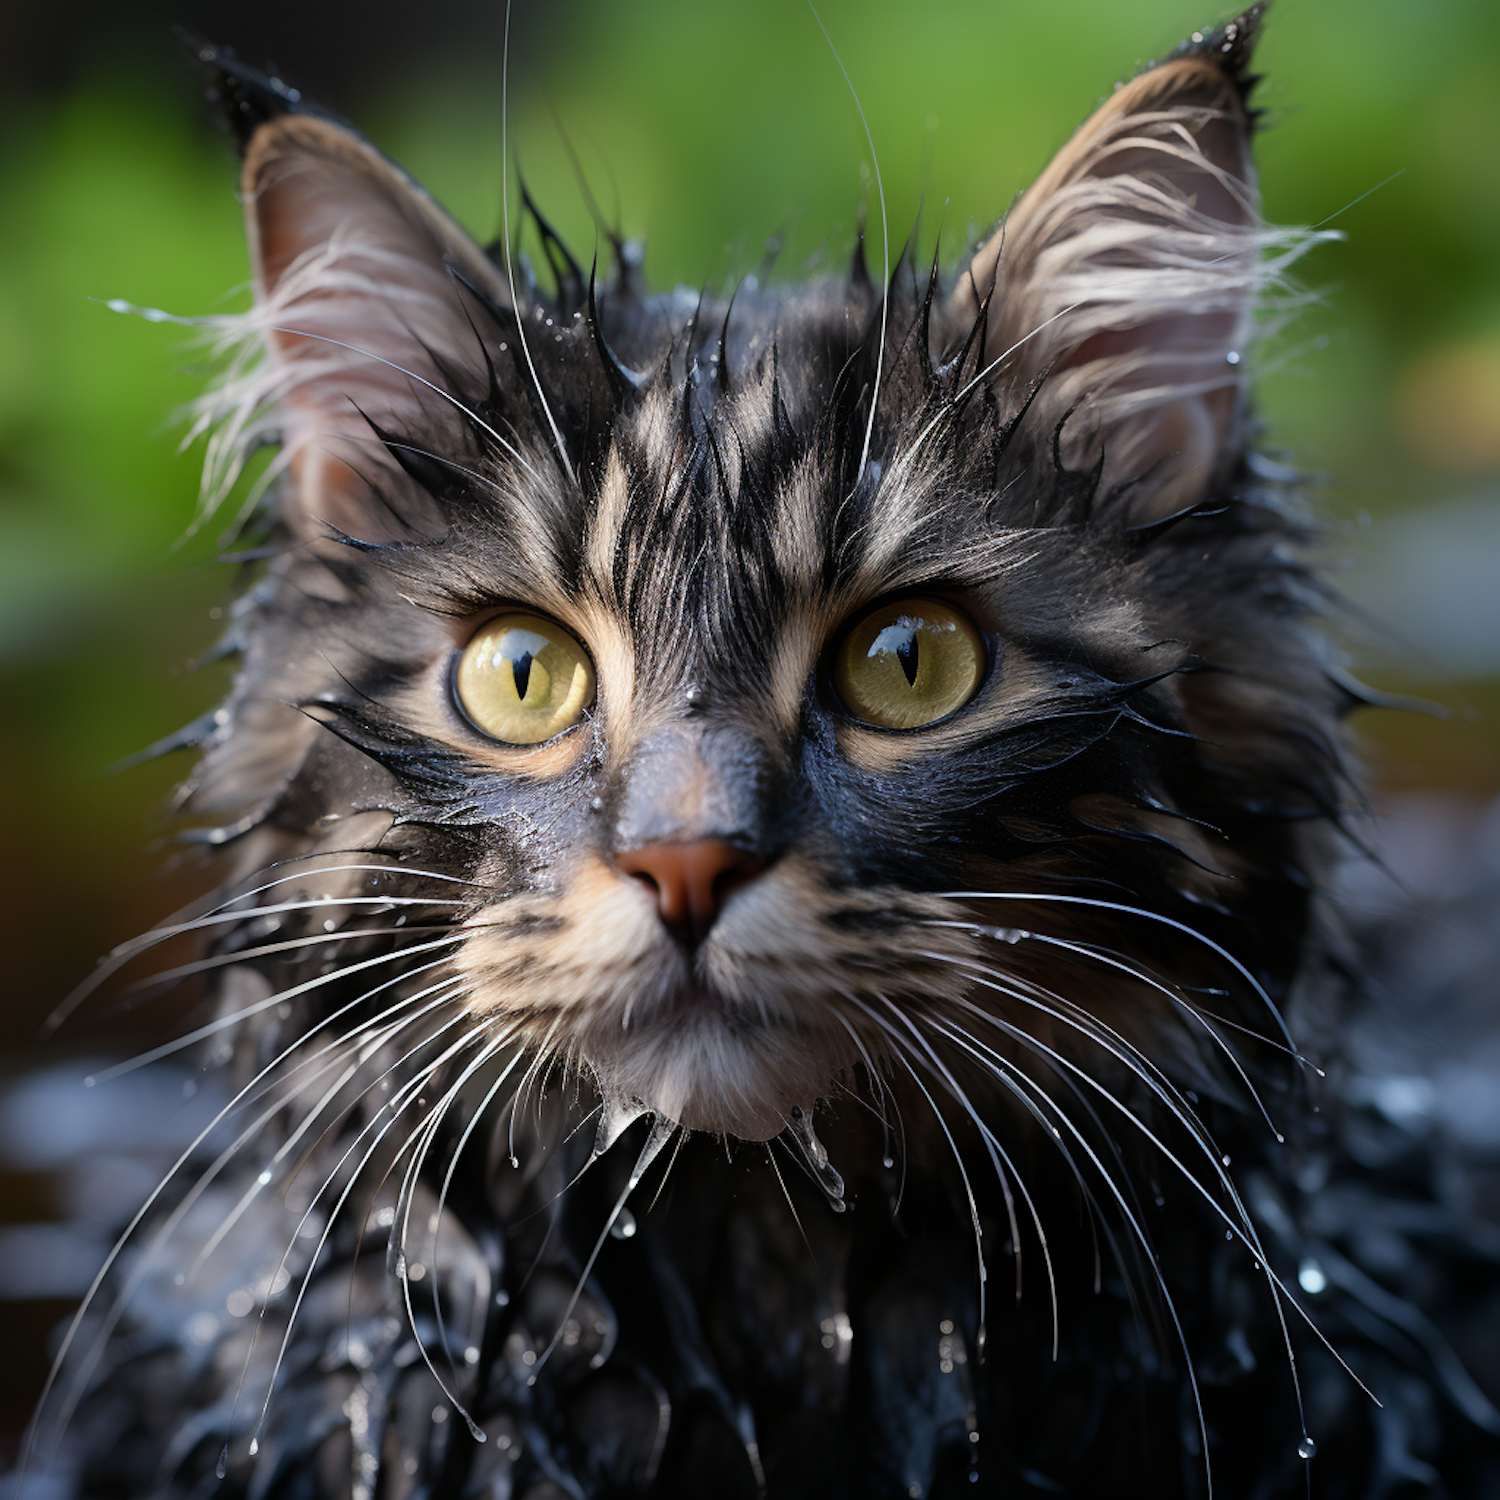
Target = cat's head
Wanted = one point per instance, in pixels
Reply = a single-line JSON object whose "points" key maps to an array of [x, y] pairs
{"points": [[754, 669]]}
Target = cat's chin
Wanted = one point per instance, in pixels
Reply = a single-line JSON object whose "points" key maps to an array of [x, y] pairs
{"points": [[696, 1067]]}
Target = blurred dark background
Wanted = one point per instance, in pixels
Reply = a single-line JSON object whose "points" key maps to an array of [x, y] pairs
{"points": [[708, 129]]}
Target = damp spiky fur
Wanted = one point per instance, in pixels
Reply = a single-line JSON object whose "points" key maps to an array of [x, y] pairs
{"points": [[1013, 988]]}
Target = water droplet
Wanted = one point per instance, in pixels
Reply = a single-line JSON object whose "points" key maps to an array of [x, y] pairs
{"points": [[254, 1446], [222, 1467], [90, 1081], [1226, 1158], [264, 1177], [614, 1120], [815, 1154], [624, 1226], [1306, 1448], [1232, 358], [475, 1430], [1310, 1277]]}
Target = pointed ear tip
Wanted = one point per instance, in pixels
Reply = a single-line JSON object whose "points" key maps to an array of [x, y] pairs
{"points": [[244, 97], [1230, 47]]}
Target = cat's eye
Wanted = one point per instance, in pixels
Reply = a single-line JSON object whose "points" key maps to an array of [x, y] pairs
{"points": [[523, 679], [909, 663]]}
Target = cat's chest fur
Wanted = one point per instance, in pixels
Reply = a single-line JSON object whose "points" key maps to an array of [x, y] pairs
{"points": [[772, 849]]}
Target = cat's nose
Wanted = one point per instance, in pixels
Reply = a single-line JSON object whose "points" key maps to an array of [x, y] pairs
{"points": [[691, 881]]}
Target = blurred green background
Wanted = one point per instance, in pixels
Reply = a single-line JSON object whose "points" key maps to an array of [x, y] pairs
{"points": [[712, 127], [708, 128]]}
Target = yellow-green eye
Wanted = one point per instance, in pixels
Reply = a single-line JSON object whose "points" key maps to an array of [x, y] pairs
{"points": [[909, 663], [523, 679]]}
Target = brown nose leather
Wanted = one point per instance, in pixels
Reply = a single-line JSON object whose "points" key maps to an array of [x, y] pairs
{"points": [[691, 881]]}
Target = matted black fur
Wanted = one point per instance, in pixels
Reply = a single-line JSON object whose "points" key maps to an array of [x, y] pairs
{"points": [[1056, 1220]]}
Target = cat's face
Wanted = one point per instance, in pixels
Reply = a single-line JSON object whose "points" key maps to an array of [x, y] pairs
{"points": [[747, 663]]}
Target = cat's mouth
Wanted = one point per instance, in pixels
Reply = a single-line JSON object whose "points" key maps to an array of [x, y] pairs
{"points": [[761, 1018]]}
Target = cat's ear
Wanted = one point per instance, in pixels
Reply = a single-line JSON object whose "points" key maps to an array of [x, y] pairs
{"points": [[362, 298], [1127, 276]]}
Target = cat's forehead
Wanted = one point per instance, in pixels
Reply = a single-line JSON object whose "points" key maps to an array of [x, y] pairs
{"points": [[720, 525]]}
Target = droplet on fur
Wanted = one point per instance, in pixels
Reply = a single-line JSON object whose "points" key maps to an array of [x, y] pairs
{"points": [[1310, 1277], [815, 1154], [1306, 1448], [617, 1116], [222, 1467], [254, 1446], [624, 1226]]}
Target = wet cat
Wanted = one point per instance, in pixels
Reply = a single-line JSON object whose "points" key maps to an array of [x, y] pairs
{"points": [[774, 851]]}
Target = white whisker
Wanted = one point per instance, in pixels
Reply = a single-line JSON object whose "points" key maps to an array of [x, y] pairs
{"points": [[280, 997], [885, 247], [510, 270]]}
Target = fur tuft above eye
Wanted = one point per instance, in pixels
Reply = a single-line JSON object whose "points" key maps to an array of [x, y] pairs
{"points": [[909, 663], [523, 679]]}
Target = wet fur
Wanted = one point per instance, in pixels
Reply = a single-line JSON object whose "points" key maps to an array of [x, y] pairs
{"points": [[1011, 993]]}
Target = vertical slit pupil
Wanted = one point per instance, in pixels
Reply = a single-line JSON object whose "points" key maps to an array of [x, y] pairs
{"points": [[521, 666], [906, 654]]}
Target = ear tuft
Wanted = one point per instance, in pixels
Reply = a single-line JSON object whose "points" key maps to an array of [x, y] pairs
{"points": [[243, 97], [1231, 49]]}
